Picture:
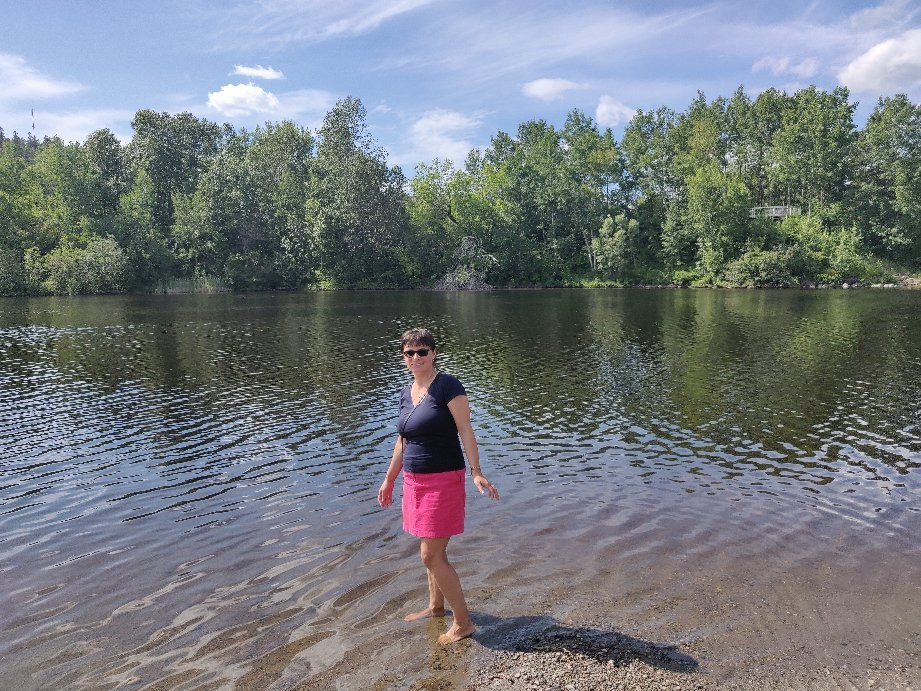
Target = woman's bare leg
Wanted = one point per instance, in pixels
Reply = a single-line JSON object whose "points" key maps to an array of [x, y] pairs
{"points": [[435, 558], [436, 606]]}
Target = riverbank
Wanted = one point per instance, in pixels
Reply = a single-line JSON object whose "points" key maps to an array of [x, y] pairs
{"points": [[698, 630], [891, 276], [898, 278], [902, 282]]}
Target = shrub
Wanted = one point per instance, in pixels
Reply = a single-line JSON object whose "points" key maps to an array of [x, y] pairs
{"points": [[12, 273], [845, 262], [250, 271], [100, 266], [825, 255], [761, 268], [686, 277]]}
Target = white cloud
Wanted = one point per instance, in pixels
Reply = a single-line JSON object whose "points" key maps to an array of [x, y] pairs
{"points": [[243, 99], [805, 69], [782, 66], [885, 15], [370, 15], [287, 21], [257, 72], [311, 102], [548, 89], [890, 66], [250, 103], [490, 41], [443, 134], [611, 112], [21, 86], [21, 81]]}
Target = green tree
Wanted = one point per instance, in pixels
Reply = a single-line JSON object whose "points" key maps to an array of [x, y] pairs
{"points": [[359, 214], [758, 123], [62, 175], [16, 207], [700, 137], [617, 246], [717, 217], [436, 231], [106, 162], [282, 162], [810, 152], [246, 222], [149, 256], [173, 150], [648, 146], [534, 171], [886, 196], [12, 272], [593, 179], [655, 189], [481, 210]]}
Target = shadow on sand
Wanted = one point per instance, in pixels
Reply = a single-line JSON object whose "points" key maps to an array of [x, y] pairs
{"points": [[546, 634]]}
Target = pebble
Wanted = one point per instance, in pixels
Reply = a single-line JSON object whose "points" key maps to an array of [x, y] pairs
{"points": [[570, 660]]}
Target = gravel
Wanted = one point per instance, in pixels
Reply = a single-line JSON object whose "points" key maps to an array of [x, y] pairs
{"points": [[560, 658]]}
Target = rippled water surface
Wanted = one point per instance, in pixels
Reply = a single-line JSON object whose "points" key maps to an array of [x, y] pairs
{"points": [[187, 484]]}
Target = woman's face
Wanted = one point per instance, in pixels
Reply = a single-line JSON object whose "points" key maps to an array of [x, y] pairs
{"points": [[418, 357]]}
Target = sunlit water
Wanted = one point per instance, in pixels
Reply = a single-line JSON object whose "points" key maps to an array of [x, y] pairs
{"points": [[187, 484]]}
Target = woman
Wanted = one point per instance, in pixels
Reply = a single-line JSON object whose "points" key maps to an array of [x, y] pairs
{"points": [[434, 412]]}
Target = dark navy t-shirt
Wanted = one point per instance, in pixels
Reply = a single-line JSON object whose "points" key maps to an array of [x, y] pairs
{"points": [[432, 444]]}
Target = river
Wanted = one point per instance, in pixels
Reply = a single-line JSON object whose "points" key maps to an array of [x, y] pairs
{"points": [[188, 483]]}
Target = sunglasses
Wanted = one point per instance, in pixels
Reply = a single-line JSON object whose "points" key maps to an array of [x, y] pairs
{"points": [[422, 352]]}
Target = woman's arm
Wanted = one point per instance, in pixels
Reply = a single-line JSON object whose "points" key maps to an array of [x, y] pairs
{"points": [[385, 493], [460, 411]]}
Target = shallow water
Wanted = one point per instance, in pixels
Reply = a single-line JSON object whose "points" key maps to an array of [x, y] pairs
{"points": [[187, 484]]}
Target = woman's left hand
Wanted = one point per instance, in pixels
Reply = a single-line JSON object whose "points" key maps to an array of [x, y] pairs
{"points": [[485, 486]]}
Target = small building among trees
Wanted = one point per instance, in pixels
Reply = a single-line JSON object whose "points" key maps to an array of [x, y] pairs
{"points": [[775, 213]]}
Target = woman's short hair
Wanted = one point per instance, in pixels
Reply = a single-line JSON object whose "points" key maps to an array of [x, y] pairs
{"points": [[418, 336]]}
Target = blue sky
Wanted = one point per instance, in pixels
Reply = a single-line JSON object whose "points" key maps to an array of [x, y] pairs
{"points": [[438, 77]]}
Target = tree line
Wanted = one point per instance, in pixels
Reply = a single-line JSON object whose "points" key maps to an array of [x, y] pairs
{"points": [[190, 202]]}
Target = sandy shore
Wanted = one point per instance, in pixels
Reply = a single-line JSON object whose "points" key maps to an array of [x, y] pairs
{"points": [[587, 659], [710, 623], [538, 654], [585, 650]]}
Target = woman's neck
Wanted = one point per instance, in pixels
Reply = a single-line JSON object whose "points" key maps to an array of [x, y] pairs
{"points": [[422, 379]]}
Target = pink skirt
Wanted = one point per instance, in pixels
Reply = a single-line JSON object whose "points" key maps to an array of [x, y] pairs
{"points": [[433, 503]]}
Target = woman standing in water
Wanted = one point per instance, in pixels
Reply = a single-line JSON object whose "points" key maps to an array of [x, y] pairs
{"points": [[434, 422]]}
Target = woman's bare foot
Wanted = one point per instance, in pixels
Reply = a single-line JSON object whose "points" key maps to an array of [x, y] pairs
{"points": [[456, 633], [427, 612]]}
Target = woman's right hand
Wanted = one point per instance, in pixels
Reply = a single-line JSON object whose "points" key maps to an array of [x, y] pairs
{"points": [[385, 493], [485, 486]]}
